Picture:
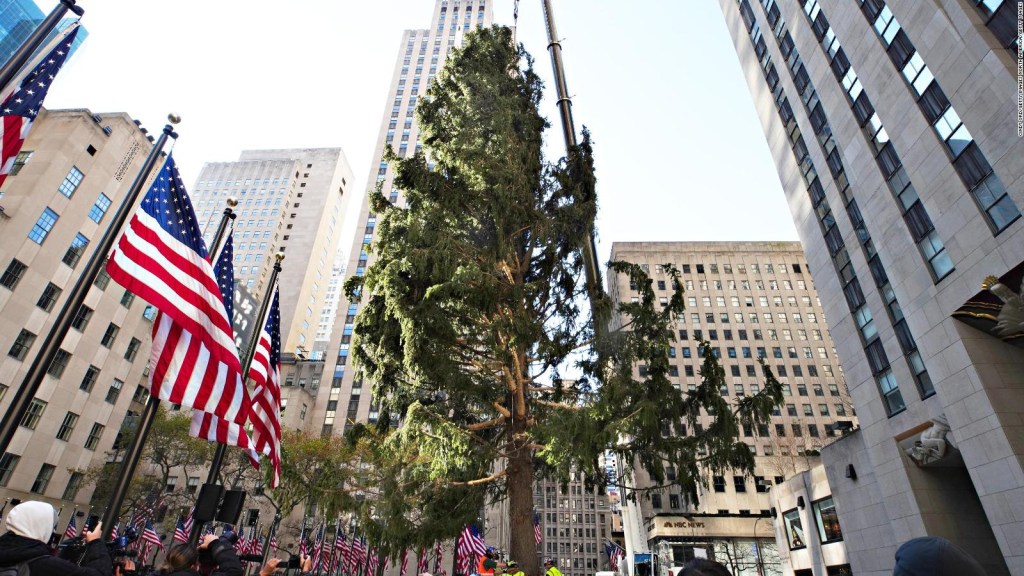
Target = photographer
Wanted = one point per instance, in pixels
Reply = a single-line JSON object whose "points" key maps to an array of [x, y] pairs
{"points": [[30, 525], [185, 560]]}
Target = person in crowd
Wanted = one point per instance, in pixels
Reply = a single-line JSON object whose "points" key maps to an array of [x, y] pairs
{"points": [[934, 556], [512, 569], [29, 526], [704, 567], [550, 568], [183, 559], [487, 563]]}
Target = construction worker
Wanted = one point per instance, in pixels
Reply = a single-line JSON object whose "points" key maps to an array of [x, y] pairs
{"points": [[513, 569], [487, 563], [551, 568]]}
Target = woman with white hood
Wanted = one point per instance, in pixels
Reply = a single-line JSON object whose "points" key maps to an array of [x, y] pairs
{"points": [[29, 526]]}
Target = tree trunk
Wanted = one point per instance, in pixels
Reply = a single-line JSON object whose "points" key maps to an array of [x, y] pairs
{"points": [[520, 505], [520, 475]]}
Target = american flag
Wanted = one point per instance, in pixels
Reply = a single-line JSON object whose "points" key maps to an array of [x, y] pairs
{"points": [[149, 536], [318, 548], [372, 562], [147, 510], [438, 558], [21, 106], [357, 553], [161, 257], [265, 371], [71, 530], [615, 554], [113, 531], [470, 545], [273, 543], [405, 562], [340, 552], [206, 426], [257, 543], [180, 533], [241, 545], [424, 561], [537, 532], [303, 550]]}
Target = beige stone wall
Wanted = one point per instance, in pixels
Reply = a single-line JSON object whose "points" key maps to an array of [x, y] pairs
{"points": [[61, 139]]}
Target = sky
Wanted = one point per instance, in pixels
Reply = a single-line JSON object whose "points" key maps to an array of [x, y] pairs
{"points": [[678, 148]]}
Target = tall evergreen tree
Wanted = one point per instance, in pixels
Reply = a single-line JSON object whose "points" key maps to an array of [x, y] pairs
{"points": [[472, 331]]}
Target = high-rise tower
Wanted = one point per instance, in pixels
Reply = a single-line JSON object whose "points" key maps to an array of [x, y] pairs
{"points": [[895, 127], [421, 54]]}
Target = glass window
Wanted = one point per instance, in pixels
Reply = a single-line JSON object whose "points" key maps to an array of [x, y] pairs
{"points": [[71, 182], [67, 426], [93, 440], [8, 462], [99, 209], [828, 521], [75, 251], [34, 414], [43, 226], [19, 349], [794, 529], [49, 297], [12, 275]]}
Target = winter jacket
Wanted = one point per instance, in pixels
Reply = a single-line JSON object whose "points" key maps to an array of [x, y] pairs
{"points": [[225, 558], [15, 549]]}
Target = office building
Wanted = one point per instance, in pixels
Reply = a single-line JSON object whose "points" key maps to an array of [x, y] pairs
{"points": [[421, 54], [289, 201], [808, 533], [895, 128], [749, 300], [64, 187], [19, 18]]}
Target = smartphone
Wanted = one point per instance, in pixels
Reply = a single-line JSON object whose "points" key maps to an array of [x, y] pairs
{"points": [[294, 562], [91, 523]]}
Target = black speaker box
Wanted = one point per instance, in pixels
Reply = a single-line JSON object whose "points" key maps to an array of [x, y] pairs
{"points": [[206, 503], [231, 507]]}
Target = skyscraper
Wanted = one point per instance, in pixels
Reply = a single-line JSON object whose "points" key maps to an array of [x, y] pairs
{"points": [[18, 18], [895, 128], [289, 201], [750, 301], [421, 54]]}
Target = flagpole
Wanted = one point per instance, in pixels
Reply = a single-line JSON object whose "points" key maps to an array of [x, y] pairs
{"points": [[35, 40], [250, 353], [214, 248], [48, 349]]}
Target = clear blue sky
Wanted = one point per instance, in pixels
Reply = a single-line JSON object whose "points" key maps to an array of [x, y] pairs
{"points": [[680, 154]]}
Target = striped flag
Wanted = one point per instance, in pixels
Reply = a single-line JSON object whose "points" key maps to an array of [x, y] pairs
{"points": [[537, 532], [113, 531], [424, 561], [71, 530], [273, 544], [150, 537], [438, 558], [405, 562], [257, 544], [190, 520], [180, 533], [21, 105], [303, 550], [265, 371], [372, 562], [162, 258], [318, 548], [206, 426], [469, 546]]}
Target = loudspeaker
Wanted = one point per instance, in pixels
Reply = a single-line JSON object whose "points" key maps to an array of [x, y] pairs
{"points": [[206, 502], [231, 506]]}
